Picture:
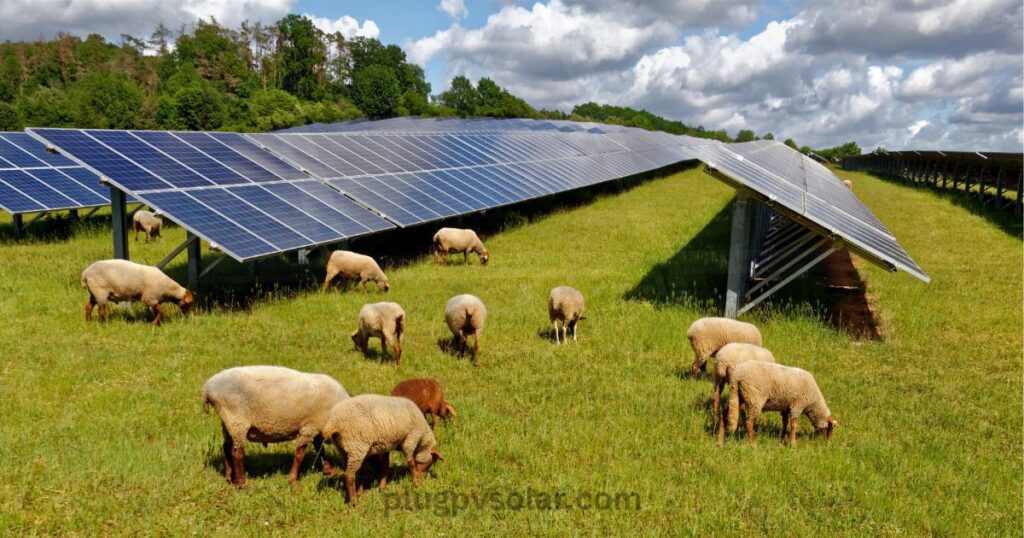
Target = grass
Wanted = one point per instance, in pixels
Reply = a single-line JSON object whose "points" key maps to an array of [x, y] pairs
{"points": [[103, 434]]}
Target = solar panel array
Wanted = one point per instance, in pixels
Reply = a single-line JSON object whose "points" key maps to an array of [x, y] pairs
{"points": [[33, 179], [259, 194], [221, 187], [418, 177], [809, 191]]}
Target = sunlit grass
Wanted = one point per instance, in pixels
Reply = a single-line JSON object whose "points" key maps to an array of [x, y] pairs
{"points": [[102, 428]]}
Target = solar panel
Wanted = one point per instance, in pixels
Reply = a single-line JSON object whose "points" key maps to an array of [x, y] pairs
{"points": [[221, 187], [34, 179]]}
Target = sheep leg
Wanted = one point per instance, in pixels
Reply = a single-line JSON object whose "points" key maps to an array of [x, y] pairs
{"points": [[785, 426], [355, 461], [575, 324], [318, 447], [327, 281], [228, 463], [476, 347], [384, 462], [414, 470], [716, 398], [565, 332], [751, 419], [721, 430], [465, 258], [88, 307], [396, 350], [793, 421], [300, 454], [159, 313], [444, 257], [237, 459], [103, 312]]}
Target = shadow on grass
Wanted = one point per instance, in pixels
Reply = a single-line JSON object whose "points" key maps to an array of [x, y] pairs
{"points": [[1003, 219], [55, 228]]}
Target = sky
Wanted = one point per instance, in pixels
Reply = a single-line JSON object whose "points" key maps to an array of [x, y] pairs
{"points": [[902, 74]]}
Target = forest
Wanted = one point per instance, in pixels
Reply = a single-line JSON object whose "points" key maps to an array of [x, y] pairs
{"points": [[257, 77]]}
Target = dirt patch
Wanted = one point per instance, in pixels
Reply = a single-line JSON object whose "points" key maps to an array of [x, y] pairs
{"points": [[849, 307]]}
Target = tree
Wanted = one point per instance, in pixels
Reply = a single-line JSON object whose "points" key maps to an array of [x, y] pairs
{"points": [[789, 142], [461, 96], [303, 54], [10, 120], [375, 90], [106, 101], [746, 135], [768, 136]]}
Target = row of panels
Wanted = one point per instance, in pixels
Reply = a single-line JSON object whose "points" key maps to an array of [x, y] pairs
{"points": [[33, 179]]}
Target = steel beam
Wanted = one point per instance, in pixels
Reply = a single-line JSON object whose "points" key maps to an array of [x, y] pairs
{"points": [[17, 224], [801, 270], [739, 254], [119, 222], [194, 261]]}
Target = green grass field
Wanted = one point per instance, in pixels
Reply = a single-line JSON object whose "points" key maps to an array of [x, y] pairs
{"points": [[102, 430]]}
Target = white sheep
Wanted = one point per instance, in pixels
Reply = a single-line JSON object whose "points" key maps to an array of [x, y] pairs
{"points": [[122, 280], [848, 183], [764, 386], [148, 223], [371, 425], [565, 306], [729, 356], [270, 404], [465, 315], [458, 240], [351, 266], [708, 335], [385, 321]]}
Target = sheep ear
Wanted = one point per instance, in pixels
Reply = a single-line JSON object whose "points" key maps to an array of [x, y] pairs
{"points": [[436, 455]]}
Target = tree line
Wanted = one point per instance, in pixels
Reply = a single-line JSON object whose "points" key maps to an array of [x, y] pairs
{"points": [[254, 78]]}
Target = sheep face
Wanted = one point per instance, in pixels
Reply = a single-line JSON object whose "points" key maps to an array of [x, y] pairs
{"points": [[830, 425], [384, 284], [186, 302], [424, 460], [359, 340], [485, 257]]}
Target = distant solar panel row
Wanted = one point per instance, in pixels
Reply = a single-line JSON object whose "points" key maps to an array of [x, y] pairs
{"points": [[220, 186], [33, 179]]}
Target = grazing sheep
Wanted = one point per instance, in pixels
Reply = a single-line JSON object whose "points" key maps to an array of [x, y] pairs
{"points": [[385, 321], [764, 386], [148, 223], [708, 335], [122, 280], [371, 425], [427, 395], [270, 404], [848, 183], [729, 356], [565, 306], [351, 266], [457, 240], [465, 315]]}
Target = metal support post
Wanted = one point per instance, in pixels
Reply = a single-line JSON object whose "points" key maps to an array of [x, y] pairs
{"points": [[739, 254], [119, 222], [194, 262]]}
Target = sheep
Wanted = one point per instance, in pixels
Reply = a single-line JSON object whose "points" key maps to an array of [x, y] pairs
{"points": [[385, 321], [457, 240], [270, 404], [148, 223], [848, 183], [350, 265], [729, 356], [565, 306], [372, 425], [427, 395], [465, 315], [708, 335], [122, 280], [764, 386]]}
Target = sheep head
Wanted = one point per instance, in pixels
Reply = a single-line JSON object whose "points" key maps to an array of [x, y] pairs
{"points": [[359, 340], [830, 425], [485, 257], [185, 304]]}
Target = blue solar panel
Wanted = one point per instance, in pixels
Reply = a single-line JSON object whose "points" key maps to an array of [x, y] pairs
{"points": [[194, 159], [227, 156], [16, 201], [43, 181], [149, 158], [249, 217], [288, 214], [18, 157], [209, 224], [35, 189], [67, 186], [106, 162], [262, 157]]}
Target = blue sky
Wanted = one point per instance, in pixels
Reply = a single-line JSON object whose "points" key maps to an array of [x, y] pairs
{"points": [[923, 74]]}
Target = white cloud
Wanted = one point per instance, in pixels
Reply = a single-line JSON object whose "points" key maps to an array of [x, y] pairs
{"points": [[456, 9], [346, 25], [34, 19]]}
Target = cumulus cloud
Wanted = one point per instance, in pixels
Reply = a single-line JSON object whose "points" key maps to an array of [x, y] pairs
{"points": [[455, 9], [680, 13], [34, 19], [346, 25]]}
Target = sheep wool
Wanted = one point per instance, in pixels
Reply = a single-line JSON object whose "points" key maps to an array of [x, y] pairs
{"points": [[729, 356], [270, 404], [465, 315], [148, 223], [428, 395], [122, 280], [352, 266], [565, 306], [385, 321], [448, 240], [764, 386], [708, 335], [371, 425]]}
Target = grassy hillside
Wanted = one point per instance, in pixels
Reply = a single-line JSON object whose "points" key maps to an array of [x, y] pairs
{"points": [[103, 433]]}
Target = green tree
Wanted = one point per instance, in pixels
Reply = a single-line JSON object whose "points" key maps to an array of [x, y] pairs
{"points": [[789, 142], [303, 56], [746, 135], [106, 101], [47, 107], [461, 96], [10, 120], [375, 90], [768, 136]]}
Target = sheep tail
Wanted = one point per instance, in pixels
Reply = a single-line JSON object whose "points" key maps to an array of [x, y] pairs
{"points": [[734, 404], [206, 402], [399, 327]]}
